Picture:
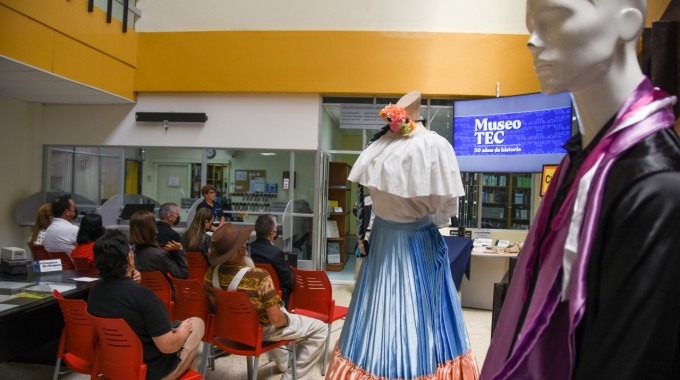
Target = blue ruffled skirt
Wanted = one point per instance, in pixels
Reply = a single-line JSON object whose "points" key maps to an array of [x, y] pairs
{"points": [[405, 320]]}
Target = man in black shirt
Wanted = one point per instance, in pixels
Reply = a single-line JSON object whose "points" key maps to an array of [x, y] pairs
{"points": [[168, 352]]}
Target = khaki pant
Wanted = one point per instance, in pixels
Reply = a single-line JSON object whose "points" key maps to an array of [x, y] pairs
{"points": [[189, 350], [309, 350]]}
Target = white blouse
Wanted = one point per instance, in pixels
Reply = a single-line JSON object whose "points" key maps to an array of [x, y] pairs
{"points": [[410, 177]]}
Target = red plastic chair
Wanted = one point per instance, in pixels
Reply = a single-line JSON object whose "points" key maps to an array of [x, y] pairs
{"points": [[66, 262], [120, 354], [77, 342], [272, 273], [157, 282], [191, 300], [313, 297], [198, 265], [38, 252], [83, 265], [236, 329]]}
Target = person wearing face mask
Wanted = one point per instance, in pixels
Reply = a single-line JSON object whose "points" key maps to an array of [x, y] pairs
{"points": [[62, 235], [263, 250], [167, 237], [594, 294]]}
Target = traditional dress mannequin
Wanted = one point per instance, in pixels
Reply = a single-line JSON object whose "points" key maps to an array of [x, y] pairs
{"points": [[405, 319], [594, 294]]}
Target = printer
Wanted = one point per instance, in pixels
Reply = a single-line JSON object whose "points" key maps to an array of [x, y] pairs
{"points": [[14, 260]]}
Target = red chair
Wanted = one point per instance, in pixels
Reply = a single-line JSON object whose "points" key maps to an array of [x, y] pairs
{"points": [[77, 342], [313, 297], [198, 265], [191, 300], [83, 265], [236, 329], [120, 354], [38, 252], [272, 273], [66, 262], [157, 282]]}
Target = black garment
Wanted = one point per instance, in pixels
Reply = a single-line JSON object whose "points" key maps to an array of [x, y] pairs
{"points": [[631, 325], [150, 258], [166, 234], [263, 251], [143, 311], [216, 209]]}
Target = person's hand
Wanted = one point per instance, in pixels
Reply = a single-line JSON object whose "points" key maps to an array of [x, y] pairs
{"points": [[136, 277], [172, 246], [184, 328]]}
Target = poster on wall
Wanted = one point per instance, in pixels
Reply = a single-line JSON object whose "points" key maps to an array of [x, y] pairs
{"points": [[249, 181]]}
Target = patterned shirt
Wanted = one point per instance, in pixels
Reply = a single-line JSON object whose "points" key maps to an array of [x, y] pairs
{"points": [[256, 283]]}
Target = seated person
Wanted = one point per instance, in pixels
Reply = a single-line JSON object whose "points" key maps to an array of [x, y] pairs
{"points": [[91, 228], [263, 250], [195, 238], [61, 235], [210, 202], [149, 256], [168, 238], [227, 258], [43, 219], [168, 352]]}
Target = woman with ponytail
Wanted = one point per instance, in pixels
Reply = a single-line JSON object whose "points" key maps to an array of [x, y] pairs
{"points": [[405, 320]]}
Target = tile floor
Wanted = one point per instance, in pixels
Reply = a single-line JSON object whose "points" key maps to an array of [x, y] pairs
{"points": [[478, 324]]}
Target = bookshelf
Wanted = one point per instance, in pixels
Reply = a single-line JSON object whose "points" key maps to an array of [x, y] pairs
{"points": [[506, 200], [339, 196], [217, 175]]}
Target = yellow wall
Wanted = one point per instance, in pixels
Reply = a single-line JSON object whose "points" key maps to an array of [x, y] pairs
{"points": [[331, 62], [61, 37]]}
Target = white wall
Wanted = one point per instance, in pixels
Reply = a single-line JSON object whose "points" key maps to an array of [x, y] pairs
{"points": [[240, 121], [458, 16], [20, 164]]}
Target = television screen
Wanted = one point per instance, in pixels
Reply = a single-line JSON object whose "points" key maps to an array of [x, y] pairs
{"points": [[131, 208], [511, 134]]}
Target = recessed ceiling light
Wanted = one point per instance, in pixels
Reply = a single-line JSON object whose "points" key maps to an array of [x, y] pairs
{"points": [[268, 154]]}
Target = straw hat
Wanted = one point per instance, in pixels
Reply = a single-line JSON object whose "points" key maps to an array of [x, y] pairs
{"points": [[226, 242]]}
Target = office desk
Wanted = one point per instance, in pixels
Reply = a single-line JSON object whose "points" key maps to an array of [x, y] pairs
{"points": [[30, 327], [459, 257], [486, 270]]}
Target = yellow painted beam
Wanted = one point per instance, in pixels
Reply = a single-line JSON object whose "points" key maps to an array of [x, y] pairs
{"points": [[330, 62], [655, 9]]}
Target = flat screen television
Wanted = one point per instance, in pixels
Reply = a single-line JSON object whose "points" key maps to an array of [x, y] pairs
{"points": [[511, 134], [131, 208]]}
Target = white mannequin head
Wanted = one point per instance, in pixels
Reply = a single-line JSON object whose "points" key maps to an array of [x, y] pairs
{"points": [[587, 47], [575, 43]]}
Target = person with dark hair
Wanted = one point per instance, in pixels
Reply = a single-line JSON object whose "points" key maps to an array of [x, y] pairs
{"points": [[149, 256], [210, 202], [263, 250], [43, 219], [91, 228], [61, 235], [405, 320], [168, 351], [167, 237], [594, 293], [195, 239], [232, 269]]}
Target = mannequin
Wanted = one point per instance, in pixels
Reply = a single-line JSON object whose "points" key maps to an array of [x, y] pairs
{"points": [[397, 327], [594, 294]]}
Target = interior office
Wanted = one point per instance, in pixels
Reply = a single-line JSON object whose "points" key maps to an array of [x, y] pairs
{"points": [[262, 85]]}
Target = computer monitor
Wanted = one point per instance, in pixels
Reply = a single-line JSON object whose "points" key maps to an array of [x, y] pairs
{"points": [[131, 208]]}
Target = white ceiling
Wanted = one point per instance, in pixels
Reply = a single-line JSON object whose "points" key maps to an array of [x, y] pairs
{"points": [[34, 85]]}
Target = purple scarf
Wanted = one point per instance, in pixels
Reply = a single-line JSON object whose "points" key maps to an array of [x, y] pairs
{"points": [[544, 347]]}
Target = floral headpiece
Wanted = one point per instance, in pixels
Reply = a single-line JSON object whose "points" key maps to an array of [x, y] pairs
{"points": [[398, 119]]}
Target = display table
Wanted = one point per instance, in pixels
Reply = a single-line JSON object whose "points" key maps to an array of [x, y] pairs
{"points": [[486, 270], [30, 318], [459, 257]]}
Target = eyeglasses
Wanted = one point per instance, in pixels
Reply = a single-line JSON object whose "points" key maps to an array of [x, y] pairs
{"points": [[211, 192]]}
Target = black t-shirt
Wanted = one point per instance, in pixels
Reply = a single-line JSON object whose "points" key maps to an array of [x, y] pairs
{"points": [[143, 311], [166, 234]]}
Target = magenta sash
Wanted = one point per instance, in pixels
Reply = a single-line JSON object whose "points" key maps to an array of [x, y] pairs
{"points": [[544, 347]]}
